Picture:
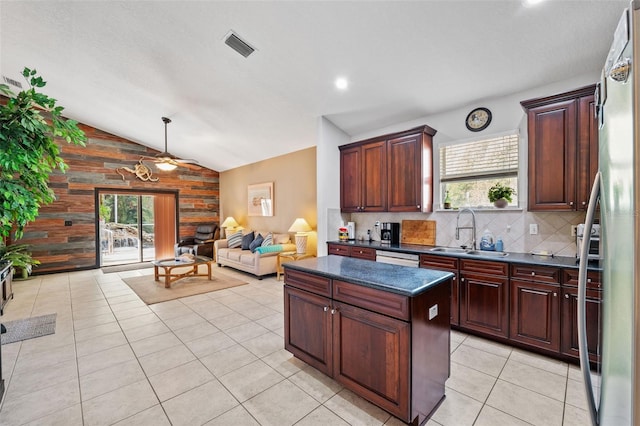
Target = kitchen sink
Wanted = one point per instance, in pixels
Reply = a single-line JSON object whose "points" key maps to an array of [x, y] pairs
{"points": [[448, 250], [487, 253]]}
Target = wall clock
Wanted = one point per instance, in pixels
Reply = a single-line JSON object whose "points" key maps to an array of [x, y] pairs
{"points": [[478, 119]]}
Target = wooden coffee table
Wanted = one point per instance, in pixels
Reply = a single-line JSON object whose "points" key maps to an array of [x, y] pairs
{"points": [[168, 265]]}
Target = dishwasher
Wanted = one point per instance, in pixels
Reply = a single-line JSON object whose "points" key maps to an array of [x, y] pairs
{"points": [[396, 258]]}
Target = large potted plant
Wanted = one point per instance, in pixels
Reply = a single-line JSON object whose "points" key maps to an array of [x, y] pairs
{"points": [[500, 195], [20, 258], [30, 124]]}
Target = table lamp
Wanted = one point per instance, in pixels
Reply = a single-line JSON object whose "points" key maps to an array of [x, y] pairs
{"points": [[300, 227], [229, 224]]}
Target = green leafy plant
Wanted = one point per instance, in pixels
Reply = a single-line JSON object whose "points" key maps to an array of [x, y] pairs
{"points": [[29, 124], [498, 191], [19, 255]]}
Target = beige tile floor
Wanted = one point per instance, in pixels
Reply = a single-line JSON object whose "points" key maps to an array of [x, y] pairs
{"points": [[218, 359]]}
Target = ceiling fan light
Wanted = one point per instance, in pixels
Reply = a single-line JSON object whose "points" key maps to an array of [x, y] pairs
{"points": [[166, 167]]}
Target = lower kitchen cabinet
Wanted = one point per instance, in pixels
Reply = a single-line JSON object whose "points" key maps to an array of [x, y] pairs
{"points": [[484, 297], [339, 249], [535, 314], [449, 264], [569, 332], [355, 251]]}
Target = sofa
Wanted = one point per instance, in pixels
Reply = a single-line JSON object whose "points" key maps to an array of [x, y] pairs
{"points": [[262, 261]]}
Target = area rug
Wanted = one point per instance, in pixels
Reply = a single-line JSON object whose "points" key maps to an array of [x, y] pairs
{"points": [[151, 291], [28, 328]]}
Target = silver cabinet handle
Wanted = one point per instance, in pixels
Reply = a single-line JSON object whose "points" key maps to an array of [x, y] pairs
{"points": [[566, 296], [584, 203], [333, 311], [326, 308], [570, 203], [418, 206], [555, 294], [533, 274]]}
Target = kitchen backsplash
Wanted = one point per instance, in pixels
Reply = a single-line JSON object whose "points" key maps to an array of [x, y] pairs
{"points": [[554, 229]]}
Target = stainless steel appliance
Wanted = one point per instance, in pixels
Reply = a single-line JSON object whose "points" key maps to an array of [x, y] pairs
{"points": [[592, 240], [390, 233], [395, 258], [616, 186]]}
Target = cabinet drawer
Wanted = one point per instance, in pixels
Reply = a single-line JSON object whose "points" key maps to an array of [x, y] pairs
{"points": [[363, 253], [340, 250], [313, 283], [570, 278], [394, 305], [484, 267], [541, 274], [439, 262]]}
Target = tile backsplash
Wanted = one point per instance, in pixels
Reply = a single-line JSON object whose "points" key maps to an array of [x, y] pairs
{"points": [[512, 225]]}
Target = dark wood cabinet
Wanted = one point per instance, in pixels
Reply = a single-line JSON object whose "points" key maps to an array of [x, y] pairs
{"points": [[563, 150], [6, 276], [391, 349], [365, 253], [484, 291], [339, 249], [535, 306], [449, 264], [569, 313], [388, 173]]}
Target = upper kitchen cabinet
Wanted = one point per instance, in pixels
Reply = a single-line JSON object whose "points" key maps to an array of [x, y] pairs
{"points": [[388, 173], [563, 150]]}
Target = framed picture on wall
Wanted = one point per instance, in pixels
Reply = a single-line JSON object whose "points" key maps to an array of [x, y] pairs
{"points": [[260, 199]]}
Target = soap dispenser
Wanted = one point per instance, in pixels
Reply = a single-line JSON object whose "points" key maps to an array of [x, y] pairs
{"points": [[499, 244], [487, 241]]}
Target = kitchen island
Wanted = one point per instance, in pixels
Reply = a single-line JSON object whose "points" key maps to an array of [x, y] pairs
{"points": [[380, 330]]}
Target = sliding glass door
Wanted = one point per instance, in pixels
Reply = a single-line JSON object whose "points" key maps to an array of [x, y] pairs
{"points": [[135, 227]]}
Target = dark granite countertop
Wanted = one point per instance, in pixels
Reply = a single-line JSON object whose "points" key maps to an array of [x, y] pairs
{"points": [[392, 278], [557, 261]]}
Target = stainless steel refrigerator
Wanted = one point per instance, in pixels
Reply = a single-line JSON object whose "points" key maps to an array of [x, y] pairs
{"points": [[617, 400]]}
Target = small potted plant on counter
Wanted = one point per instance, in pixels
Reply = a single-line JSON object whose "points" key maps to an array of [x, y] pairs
{"points": [[500, 195]]}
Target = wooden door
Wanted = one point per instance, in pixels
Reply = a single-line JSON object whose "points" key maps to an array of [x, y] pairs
{"points": [[569, 334], [350, 179], [484, 303], [448, 264], [552, 156], [535, 314], [307, 328], [404, 165], [372, 357], [374, 177]]}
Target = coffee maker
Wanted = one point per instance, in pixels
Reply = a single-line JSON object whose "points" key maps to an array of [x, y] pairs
{"points": [[390, 233]]}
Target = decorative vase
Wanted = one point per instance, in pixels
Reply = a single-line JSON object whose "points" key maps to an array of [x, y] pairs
{"points": [[501, 203]]}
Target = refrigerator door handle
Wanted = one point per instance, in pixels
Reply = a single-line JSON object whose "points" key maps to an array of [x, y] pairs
{"points": [[582, 301]]}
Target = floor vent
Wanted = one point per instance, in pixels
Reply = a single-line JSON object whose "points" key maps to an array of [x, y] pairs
{"points": [[239, 45], [12, 82]]}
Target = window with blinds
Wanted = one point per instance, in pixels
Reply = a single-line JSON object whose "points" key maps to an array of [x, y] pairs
{"points": [[468, 170]]}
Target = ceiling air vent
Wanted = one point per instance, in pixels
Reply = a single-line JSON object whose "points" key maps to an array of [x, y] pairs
{"points": [[239, 45], [12, 82]]}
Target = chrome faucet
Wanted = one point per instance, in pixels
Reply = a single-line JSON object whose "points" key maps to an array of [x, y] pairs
{"points": [[472, 227]]}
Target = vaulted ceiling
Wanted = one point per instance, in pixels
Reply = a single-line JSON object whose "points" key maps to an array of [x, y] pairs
{"points": [[120, 66]]}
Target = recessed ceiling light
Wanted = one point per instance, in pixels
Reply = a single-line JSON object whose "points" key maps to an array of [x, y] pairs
{"points": [[532, 2], [342, 83]]}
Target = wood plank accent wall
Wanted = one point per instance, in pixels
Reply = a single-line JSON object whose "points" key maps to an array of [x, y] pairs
{"points": [[62, 248]]}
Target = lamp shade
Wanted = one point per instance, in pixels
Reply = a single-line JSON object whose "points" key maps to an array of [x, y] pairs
{"points": [[229, 222], [167, 167], [300, 225]]}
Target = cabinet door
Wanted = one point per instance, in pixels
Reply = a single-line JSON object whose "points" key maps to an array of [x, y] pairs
{"points": [[569, 338], [552, 156], [350, 179], [363, 253], [307, 328], [371, 357], [484, 303], [374, 178], [404, 165], [587, 149], [535, 314]]}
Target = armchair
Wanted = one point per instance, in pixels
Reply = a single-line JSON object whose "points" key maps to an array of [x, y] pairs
{"points": [[200, 244]]}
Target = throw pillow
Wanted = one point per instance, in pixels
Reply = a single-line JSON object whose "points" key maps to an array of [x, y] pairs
{"points": [[247, 240], [268, 240], [235, 240], [256, 243], [281, 238]]}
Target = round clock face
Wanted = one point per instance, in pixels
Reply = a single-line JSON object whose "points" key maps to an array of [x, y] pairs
{"points": [[478, 119]]}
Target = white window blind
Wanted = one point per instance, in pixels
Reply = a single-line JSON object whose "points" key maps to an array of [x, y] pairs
{"points": [[495, 157]]}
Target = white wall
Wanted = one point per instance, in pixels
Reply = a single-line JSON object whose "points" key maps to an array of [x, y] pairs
{"points": [[513, 226], [330, 138]]}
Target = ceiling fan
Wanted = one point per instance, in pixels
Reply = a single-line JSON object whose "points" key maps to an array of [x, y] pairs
{"points": [[166, 161]]}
